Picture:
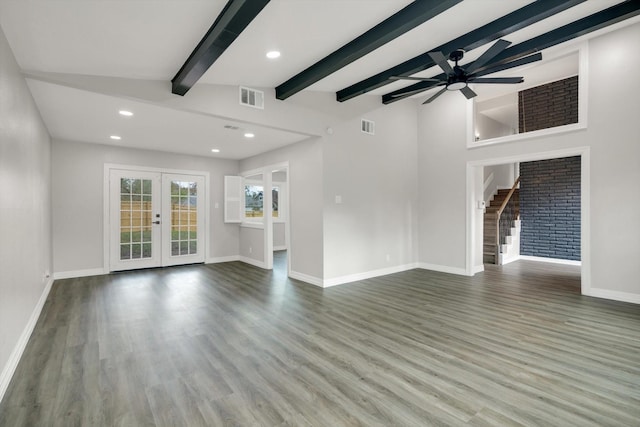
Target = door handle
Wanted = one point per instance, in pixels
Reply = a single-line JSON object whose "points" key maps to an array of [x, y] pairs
{"points": [[156, 222]]}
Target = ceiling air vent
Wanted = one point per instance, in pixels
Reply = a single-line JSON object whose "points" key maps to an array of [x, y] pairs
{"points": [[251, 97], [368, 127]]}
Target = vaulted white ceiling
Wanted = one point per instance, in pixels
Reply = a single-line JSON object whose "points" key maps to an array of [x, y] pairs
{"points": [[86, 59]]}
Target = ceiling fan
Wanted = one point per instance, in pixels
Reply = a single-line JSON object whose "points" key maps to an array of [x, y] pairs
{"points": [[458, 77]]}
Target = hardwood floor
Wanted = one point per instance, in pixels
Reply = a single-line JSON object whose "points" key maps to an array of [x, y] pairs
{"points": [[230, 344]]}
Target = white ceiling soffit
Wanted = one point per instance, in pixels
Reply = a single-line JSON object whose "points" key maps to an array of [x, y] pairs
{"points": [[78, 115]]}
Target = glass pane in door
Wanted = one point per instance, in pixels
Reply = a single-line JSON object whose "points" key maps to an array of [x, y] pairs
{"points": [[184, 218], [135, 218]]}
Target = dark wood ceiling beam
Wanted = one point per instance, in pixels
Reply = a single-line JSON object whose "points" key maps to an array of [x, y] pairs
{"points": [[406, 19], [596, 21], [234, 18], [507, 24]]}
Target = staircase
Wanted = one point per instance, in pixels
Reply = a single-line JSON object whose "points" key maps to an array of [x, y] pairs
{"points": [[489, 246]]}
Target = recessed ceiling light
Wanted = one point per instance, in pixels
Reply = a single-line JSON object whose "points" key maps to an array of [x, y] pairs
{"points": [[116, 137], [249, 135], [215, 150], [125, 113], [273, 54]]}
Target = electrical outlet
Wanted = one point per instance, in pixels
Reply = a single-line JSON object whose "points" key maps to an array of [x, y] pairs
{"points": [[250, 249], [388, 257]]}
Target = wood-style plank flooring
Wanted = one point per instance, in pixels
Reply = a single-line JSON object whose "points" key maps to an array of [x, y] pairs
{"points": [[230, 344]]}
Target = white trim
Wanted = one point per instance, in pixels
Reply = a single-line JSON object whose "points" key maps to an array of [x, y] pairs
{"points": [[614, 295], [251, 261], [367, 275], [280, 248], [80, 273], [312, 280], [478, 269], [14, 358], [549, 260], [529, 135], [218, 260], [444, 269], [267, 224], [108, 167], [585, 220], [585, 202], [258, 225]]}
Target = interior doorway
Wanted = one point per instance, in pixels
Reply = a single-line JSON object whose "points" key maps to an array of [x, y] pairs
{"points": [[155, 219], [476, 202], [280, 212]]}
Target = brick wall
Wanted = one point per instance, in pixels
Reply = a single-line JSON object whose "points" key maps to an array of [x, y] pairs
{"points": [[547, 106], [550, 208]]}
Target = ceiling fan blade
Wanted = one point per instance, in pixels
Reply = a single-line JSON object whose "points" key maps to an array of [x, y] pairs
{"points": [[494, 50], [413, 92], [503, 80], [439, 59], [440, 92], [421, 79], [517, 63], [466, 91]]}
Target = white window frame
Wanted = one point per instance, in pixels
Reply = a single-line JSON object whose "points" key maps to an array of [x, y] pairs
{"points": [[583, 92]]}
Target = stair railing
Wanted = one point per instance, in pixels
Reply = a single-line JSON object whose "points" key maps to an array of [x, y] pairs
{"points": [[504, 222]]}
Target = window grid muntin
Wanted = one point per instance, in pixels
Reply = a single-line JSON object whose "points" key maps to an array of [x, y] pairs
{"points": [[184, 218], [135, 218]]}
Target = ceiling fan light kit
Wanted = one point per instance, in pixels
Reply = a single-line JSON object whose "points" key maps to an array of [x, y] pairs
{"points": [[458, 77]]}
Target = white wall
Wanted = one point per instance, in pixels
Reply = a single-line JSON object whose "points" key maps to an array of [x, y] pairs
{"points": [[25, 213], [279, 236], [375, 176], [503, 177], [442, 181], [77, 182], [489, 128], [252, 245], [614, 193], [305, 203]]}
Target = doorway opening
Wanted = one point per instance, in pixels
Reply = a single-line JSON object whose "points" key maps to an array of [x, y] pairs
{"points": [[478, 171], [280, 211], [154, 218]]}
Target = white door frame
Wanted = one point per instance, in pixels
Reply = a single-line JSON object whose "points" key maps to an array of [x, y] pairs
{"points": [[267, 179], [585, 197], [108, 167]]}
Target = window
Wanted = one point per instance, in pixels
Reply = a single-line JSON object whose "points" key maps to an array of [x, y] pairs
{"points": [[253, 201], [275, 200]]}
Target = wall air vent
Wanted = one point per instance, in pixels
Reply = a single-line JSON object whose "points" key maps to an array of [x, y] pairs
{"points": [[368, 127], [251, 97]]}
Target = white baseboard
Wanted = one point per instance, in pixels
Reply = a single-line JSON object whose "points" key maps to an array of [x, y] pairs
{"points": [[549, 260], [252, 261], [367, 275], [218, 260], [312, 280], [279, 248], [614, 295], [443, 269], [478, 269], [15, 356], [510, 260], [79, 273]]}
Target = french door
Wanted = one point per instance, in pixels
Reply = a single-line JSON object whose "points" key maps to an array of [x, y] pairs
{"points": [[156, 219]]}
